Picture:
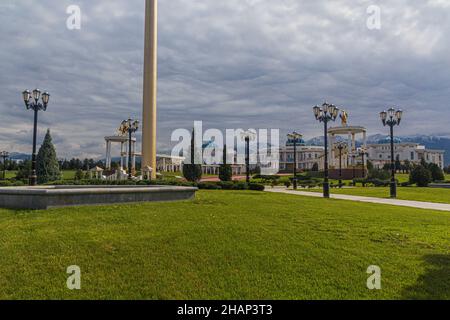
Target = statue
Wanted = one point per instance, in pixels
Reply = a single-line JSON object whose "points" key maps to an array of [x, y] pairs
{"points": [[344, 118], [123, 129]]}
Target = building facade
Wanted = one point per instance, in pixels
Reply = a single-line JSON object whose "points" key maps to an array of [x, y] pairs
{"points": [[380, 153], [307, 156]]}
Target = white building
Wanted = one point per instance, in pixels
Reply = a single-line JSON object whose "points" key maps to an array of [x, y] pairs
{"points": [[307, 156], [380, 153]]}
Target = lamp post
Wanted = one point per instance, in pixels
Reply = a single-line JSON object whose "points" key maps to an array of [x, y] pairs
{"points": [[4, 155], [294, 136], [353, 166], [327, 113], [248, 136], [130, 126], [392, 118], [341, 146], [362, 154], [32, 102]]}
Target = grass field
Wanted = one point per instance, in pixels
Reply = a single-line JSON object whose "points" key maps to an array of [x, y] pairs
{"points": [[67, 174], [226, 245], [439, 195]]}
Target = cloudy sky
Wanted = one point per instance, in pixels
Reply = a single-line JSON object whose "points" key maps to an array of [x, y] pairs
{"points": [[232, 64]]}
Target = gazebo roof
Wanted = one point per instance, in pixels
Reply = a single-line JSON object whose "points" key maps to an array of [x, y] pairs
{"points": [[97, 169], [147, 168], [347, 130]]}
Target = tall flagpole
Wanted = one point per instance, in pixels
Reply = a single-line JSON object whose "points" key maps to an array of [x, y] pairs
{"points": [[150, 86]]}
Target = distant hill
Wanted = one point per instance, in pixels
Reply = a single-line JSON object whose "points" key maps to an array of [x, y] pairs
{"points": [[19, 156]]}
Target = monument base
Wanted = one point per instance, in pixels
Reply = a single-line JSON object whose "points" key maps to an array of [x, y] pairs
{"points": [[45, 197]]}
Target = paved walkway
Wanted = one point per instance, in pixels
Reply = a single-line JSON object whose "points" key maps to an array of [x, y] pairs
{"points": [[393, 202]]}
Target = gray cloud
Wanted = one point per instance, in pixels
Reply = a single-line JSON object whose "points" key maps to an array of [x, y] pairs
{"points": [[235, 63]]}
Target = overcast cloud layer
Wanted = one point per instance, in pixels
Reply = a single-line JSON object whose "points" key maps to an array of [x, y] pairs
{"points": [[232, 64]]}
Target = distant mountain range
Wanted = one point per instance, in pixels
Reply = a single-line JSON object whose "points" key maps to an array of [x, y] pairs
{"points": [[429, 141]]}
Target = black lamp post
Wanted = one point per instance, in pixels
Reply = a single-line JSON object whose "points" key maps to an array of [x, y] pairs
{"points": [[341, 146], [4, 155], [392, 118], [327, 113], [130, 126], [362, 154], [353, 166], [247, 137], [294, 136], [32, 102]]}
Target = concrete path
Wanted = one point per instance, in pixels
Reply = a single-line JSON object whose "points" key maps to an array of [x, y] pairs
{"points": [[393, 202]]}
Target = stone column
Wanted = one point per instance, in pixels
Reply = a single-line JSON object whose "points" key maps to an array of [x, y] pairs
{"points": [[133, 159], [108, 155], [121, 155], [150, 86]]}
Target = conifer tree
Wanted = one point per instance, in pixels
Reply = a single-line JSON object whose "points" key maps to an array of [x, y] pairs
{"points": [[225, 170], [47, 166]]}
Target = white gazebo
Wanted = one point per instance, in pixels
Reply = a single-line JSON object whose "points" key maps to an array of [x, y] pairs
{"points": [[96, 173], [350, 133], [147, 173], [124, 152]]}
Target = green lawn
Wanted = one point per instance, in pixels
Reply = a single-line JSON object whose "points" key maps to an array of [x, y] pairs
{"points": [[68, 174], [439, 195], [9, 174], [226, 245]]}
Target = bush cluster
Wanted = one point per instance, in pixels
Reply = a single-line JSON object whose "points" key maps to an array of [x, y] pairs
{"points": [[222, 185]]}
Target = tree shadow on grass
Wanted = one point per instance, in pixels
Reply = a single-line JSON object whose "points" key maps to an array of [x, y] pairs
{"points": [[435, 283]]}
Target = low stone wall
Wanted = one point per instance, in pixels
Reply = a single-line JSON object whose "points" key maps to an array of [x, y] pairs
{"points": [[41, 198]]}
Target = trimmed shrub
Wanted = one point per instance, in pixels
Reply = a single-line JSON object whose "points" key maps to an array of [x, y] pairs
{"points": [[436, 172], [209, 186], [256, 187], [421, 176], [226, 185]]}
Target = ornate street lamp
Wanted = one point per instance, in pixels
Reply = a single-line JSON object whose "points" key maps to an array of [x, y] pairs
{"points": [[32, 102], [130, 126], [4, 155], [363, 153], [341, 146], [392, 118], [327, 113], [248, 136], [294, 136]]}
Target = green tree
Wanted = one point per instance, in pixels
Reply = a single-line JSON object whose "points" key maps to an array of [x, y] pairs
{"points": [[225, 170], [47, 166], [191, 171], [407, 166], [398, 164], [79, 175], [421, 176], [379, 174], [436, 172], [369, 165], [24, 170]]}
